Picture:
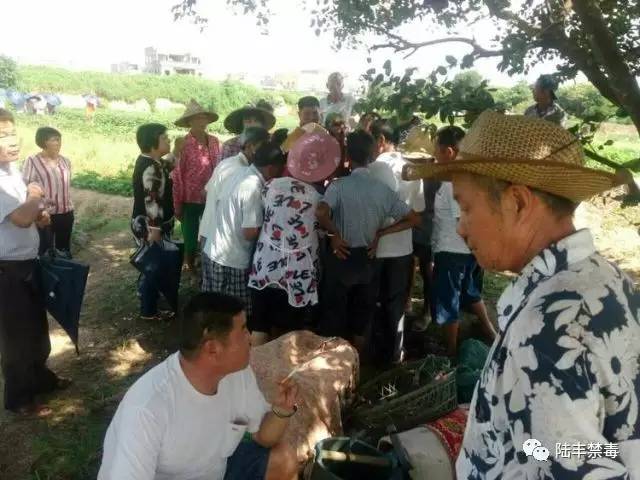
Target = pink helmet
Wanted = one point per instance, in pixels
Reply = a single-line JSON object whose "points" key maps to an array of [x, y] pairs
{"points": [[313, 157]]}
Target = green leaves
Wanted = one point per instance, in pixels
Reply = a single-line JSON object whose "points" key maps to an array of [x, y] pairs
{"points": [[387, 67], [585, 102], [464, 97], [467, 61], [8, 72]]}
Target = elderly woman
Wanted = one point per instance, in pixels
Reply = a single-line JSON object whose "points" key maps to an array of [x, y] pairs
{"points": [[562, 376], [199, 156], [152, 218], [284, 272], [52, 172]]}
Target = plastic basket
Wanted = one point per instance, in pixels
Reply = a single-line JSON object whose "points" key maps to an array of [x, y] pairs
{"points": [[406, 396]]}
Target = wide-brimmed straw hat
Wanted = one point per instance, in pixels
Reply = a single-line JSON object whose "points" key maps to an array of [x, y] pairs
{"points": [[235, 120], [298, 132], [418, 144], [525, 151], [314, 156], [193, 109]]}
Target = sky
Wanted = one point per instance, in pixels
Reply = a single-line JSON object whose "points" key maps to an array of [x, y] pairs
{"points": [[93, 34]]}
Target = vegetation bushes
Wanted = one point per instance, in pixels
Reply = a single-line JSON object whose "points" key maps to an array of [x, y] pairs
{"points": [[221, 96]]}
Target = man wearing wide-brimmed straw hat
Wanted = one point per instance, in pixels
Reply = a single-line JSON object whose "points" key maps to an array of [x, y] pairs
{"points": [[564, 369], [197, 159], [260, 115]]}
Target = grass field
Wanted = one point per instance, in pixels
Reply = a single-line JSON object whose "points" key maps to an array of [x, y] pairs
{"points": [[103, 153]]}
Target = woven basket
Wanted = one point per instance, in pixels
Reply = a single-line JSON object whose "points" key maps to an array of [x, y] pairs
{"points": [[409, 395]]}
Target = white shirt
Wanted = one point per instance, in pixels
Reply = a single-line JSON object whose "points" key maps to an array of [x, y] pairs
{"points": [[16, 243], [344, 107], [165, 429], [446, 213], [388, 169], [238, 205], [222, 171]]}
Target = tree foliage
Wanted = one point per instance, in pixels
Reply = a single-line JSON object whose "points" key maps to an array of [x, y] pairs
{"points": [[8, 72], [600, 38], [513, 98], [464, 97], [585, 102]]}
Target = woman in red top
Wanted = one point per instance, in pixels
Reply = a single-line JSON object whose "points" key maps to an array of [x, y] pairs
{"points": [[199, 156]]}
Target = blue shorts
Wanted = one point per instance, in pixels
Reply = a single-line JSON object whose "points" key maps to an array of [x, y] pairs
{"points": [[248, 462], [457, 282]]}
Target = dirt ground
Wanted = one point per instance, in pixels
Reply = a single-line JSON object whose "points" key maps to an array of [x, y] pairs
{"points": [[116, 347]]}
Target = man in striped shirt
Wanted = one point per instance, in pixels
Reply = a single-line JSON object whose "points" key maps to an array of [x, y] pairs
{"points": [[24, 331]]}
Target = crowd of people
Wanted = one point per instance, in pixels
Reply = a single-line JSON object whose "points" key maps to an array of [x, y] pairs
{"points": [[322, 228], [319, 236]]}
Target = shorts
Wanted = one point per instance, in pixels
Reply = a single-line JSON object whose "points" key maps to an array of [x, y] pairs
{"points": [[248, 462], [457, 282], [226, 280]]}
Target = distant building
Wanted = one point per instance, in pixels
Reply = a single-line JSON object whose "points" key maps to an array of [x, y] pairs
{"points": [[161, 63], [312, 80], [280, 81], [125, 67]]}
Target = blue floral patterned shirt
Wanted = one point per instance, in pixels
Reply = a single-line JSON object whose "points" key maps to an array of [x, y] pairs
{"points": [[562, 376]]}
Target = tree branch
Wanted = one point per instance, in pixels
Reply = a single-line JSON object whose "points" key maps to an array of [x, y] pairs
{"points": [[400, 44], [622, 81]]}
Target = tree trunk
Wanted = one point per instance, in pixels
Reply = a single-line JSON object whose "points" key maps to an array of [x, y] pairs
{"points": [[620, 79]]}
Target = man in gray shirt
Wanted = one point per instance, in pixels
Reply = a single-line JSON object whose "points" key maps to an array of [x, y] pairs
{"points": [[353, 212], [24, 331]]}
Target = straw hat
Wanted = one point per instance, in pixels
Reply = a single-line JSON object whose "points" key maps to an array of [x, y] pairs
{"points": [[526, 151], [193, 109], [418, 144], [235, 120], [314, 157], [296, 134]]}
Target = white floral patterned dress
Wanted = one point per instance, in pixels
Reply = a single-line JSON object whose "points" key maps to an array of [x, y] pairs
{"points": [[286, 254], [563, 371]]}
